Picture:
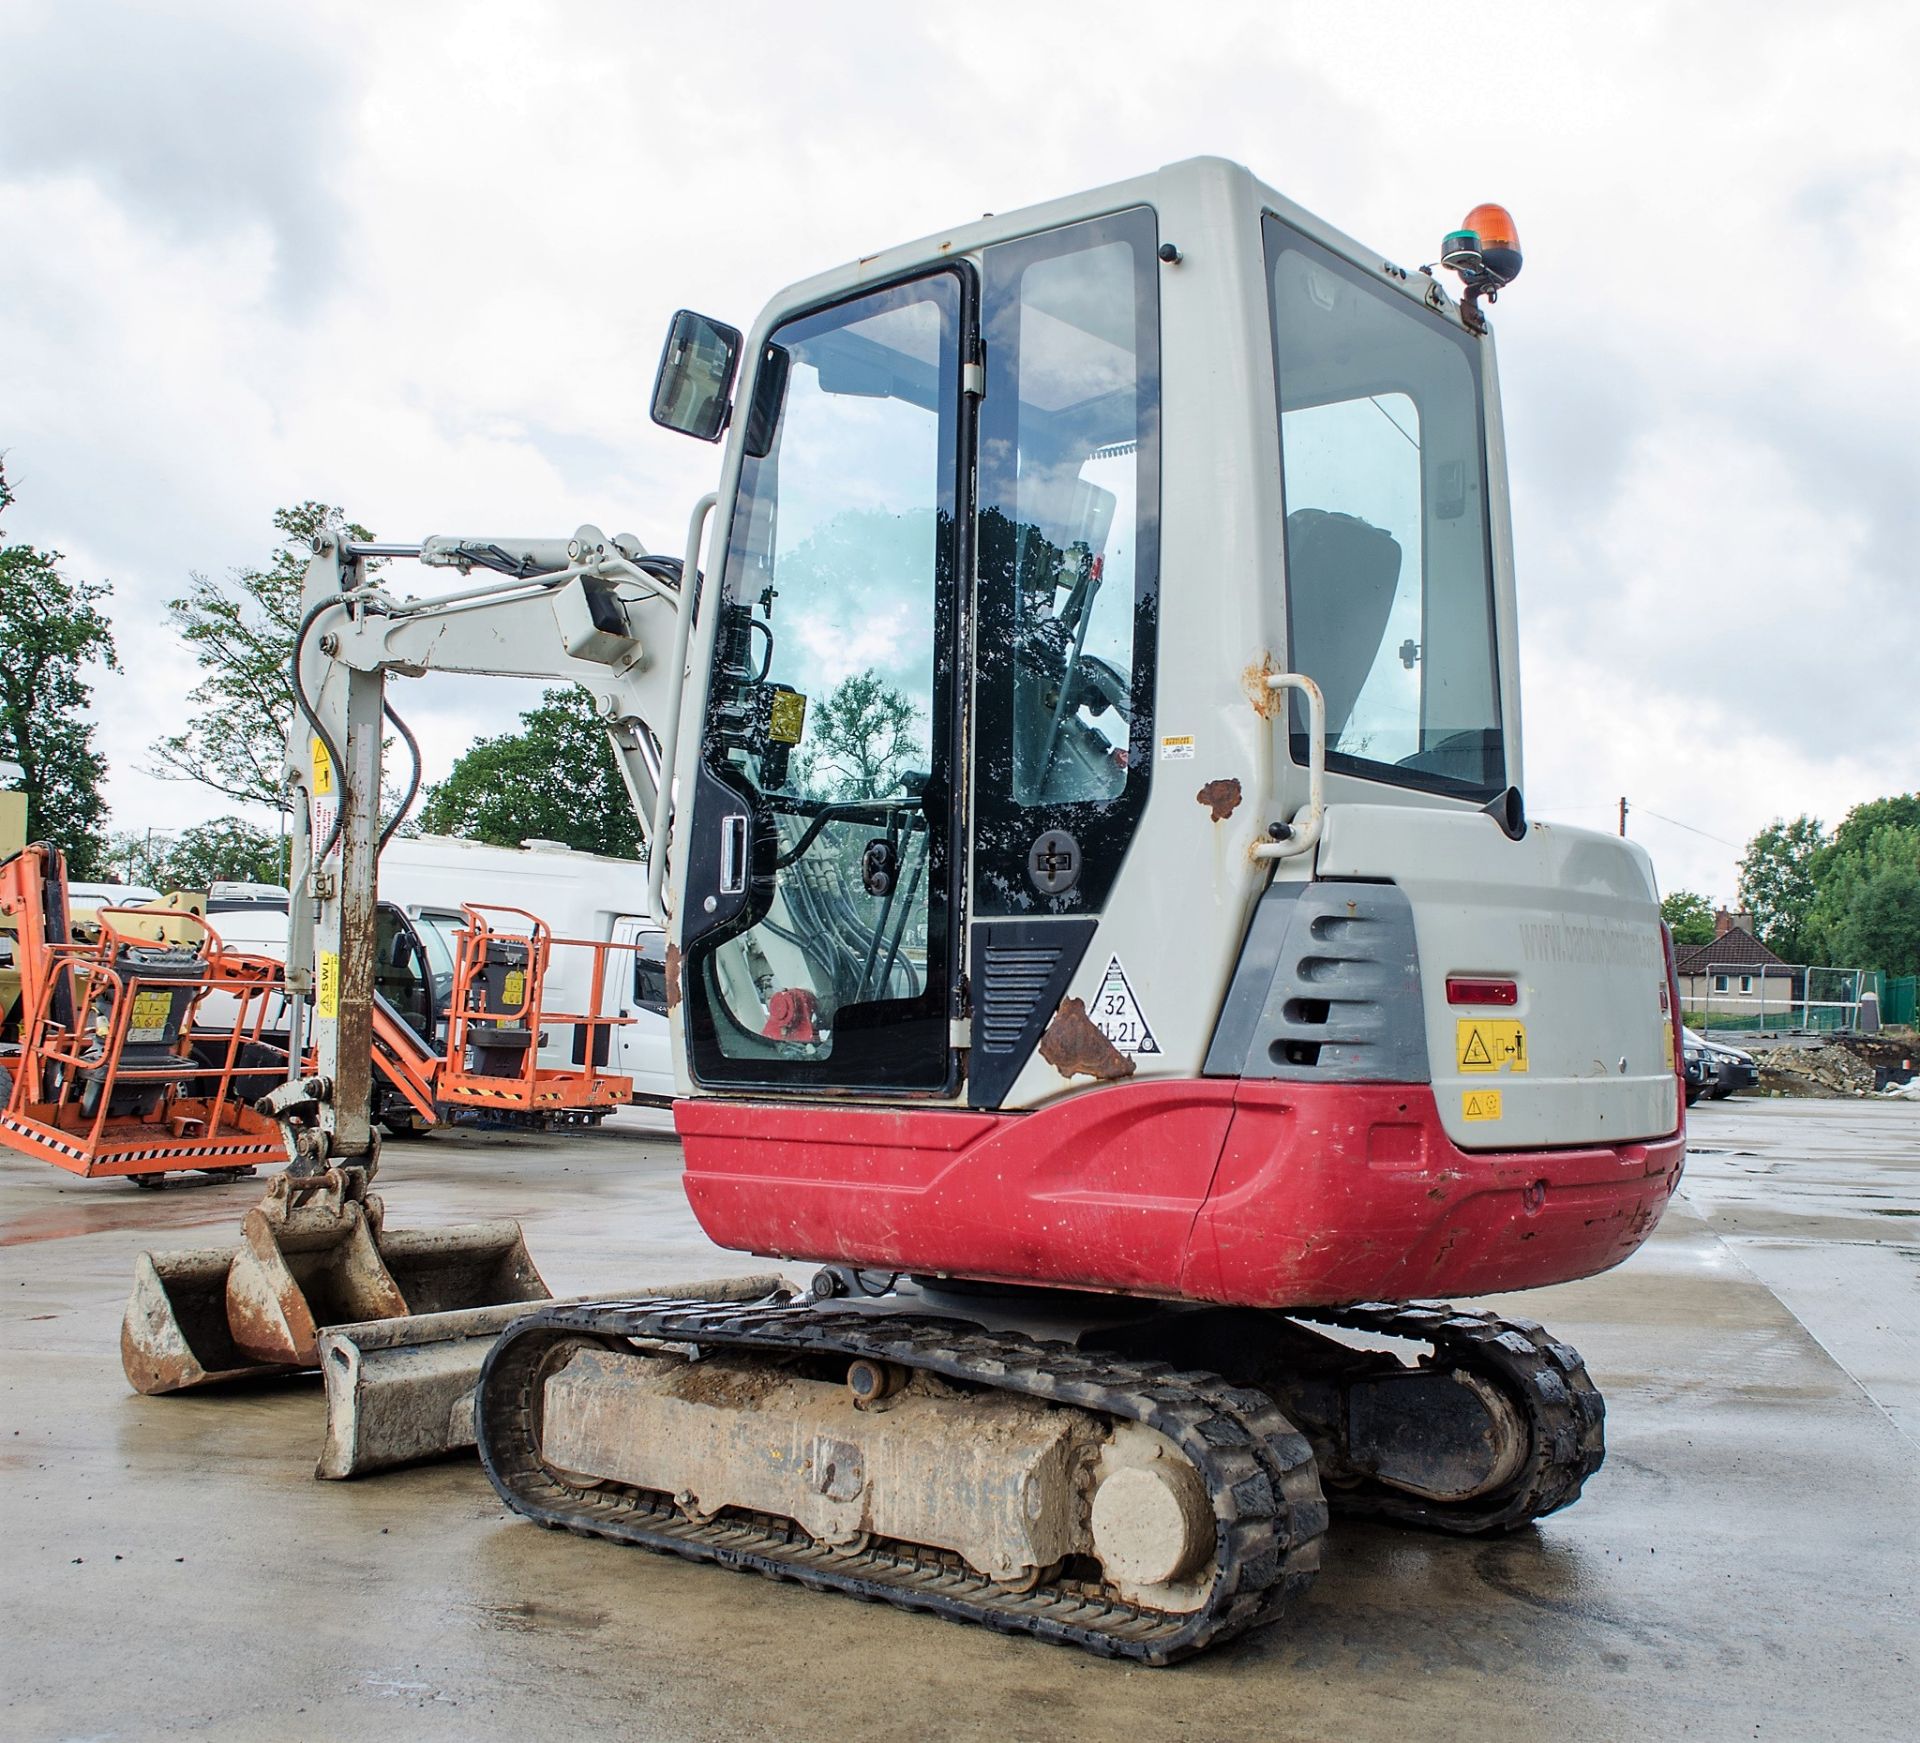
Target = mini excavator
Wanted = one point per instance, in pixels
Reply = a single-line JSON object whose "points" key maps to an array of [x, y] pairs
{"points": [[1083, 785]]}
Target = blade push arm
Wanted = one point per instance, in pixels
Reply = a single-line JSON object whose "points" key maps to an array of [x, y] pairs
{"points": [[587, 610]]}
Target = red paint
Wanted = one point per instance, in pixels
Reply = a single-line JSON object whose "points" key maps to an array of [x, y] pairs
{"points": [[1260, 1194]]}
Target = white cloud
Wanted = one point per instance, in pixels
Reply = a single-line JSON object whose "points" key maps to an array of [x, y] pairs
{"points": [[416, 260]]}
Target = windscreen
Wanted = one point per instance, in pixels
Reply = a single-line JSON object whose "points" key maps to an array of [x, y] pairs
{"points": [[1389, 587]]}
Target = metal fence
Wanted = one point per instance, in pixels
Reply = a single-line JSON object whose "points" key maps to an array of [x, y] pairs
{"points": [[1783, 996], [1898, 999]]}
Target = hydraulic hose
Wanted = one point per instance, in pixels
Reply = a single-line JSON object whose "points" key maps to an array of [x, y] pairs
{"points": [[413, 780], [319, 726]]}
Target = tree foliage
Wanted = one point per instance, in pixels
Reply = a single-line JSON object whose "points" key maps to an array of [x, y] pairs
{"points": [[555, 779], [1866, 913], [1689, 915], [241, 631], [1777, 884], [859, 740], [50, 628], [228, 848], [1850, 899]]}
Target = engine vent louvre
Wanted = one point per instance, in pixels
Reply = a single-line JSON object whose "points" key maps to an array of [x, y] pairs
{"points": [[1327, 989]]}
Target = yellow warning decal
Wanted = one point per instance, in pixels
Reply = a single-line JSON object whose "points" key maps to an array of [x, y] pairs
{"points": [[1666, 1029], [1489, 1044], [1480, 1104], [148, 1019], [326, 995], [786, 717], [513, 990], [322, 769]]}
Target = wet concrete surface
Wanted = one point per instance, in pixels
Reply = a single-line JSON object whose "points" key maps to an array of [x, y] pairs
{"points": [[1743, 1567]]}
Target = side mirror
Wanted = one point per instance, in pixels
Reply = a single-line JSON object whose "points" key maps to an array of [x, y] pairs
{"points": [[690, 393]]}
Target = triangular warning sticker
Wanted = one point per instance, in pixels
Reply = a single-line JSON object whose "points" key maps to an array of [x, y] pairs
{"points": [[1117, 1015], [1476, 1050]]}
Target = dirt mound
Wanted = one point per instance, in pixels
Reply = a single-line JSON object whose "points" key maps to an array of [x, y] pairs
{"points": [[1830, 1070]]}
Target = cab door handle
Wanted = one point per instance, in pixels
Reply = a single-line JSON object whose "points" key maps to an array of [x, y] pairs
{"points": [[733, 854]]}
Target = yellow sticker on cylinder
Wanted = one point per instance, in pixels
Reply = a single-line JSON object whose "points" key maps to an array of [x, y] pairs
{"points": [[322, 769], [326, 985], [1480, 1104], [513, 990], [152, 1012]]}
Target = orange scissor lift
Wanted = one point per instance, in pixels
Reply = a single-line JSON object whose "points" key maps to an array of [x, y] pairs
{"points": [[109, 1074], [140, 1049], [497, 1021]]}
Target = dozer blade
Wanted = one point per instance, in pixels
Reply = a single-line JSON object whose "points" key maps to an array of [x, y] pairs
{"points": [[401, 1390], [314, 1253]]}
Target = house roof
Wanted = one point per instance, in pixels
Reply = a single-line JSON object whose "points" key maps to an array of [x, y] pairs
{"points": [[1737, 948]]}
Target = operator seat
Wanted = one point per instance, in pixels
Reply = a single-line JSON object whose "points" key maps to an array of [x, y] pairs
{"points": [[1342, 575]]}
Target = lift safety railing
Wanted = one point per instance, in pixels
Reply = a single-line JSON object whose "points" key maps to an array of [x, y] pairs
{"points": [[78, 1101], [500, 980]]}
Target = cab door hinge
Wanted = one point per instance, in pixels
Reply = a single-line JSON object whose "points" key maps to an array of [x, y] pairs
{"points": [[973, 379]]}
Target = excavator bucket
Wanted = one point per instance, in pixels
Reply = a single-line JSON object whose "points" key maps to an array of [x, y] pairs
{"points": [[401, 1390], [313, 1253], [174, 1335]]}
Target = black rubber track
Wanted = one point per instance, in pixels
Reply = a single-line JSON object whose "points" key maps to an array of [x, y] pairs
{"points": [[1548, 1383], [1258, 1470]]}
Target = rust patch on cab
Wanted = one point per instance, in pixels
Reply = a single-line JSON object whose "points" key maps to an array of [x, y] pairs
{"points": [[1254, 680], [673, 976], [1075, 1047], [1221, 798]]}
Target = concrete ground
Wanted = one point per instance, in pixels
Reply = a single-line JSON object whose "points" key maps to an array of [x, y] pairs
{"points": [[1744, 1566]]}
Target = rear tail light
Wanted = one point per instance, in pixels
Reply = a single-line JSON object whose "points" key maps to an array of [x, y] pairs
{"points": [[1670, 1007], [1464, 991]]}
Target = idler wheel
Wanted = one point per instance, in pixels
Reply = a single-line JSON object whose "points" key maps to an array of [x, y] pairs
{"points": [[1151, 1523]]}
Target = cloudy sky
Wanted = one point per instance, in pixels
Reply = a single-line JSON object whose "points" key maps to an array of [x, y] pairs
{"points": [[416, 259]]}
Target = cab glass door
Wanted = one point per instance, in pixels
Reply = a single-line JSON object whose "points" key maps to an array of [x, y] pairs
{"points": [[819, 930]]}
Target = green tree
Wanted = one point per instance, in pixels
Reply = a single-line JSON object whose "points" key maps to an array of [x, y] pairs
{"points": [[241, 631], [555, 779], [1689, 915], [1866, 910], [137, 856], [859, 740], [1865, 821], [228, 848], [50, 628], [1778, 883]]}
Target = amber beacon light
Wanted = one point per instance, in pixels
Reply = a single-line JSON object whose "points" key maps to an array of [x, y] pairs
{"points": [[1485, 251]]}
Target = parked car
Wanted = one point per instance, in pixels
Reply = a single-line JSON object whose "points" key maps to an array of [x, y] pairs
{"points": [[1702, 1070], [1733, 1070]]}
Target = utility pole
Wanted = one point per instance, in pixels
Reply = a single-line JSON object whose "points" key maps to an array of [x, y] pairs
{"points": [[1623, 816]]}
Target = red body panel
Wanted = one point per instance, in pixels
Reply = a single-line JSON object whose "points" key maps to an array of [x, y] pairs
{"points": [[1257, 1194]]}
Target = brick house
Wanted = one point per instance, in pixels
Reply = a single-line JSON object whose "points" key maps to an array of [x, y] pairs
{"points": [[1736, 974]]}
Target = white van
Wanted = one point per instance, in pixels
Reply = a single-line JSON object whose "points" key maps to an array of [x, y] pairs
{"points": [[425, 880], [585, 896]]}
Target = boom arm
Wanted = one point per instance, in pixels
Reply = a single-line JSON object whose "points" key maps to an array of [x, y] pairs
{"points": [[588, 610]]}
